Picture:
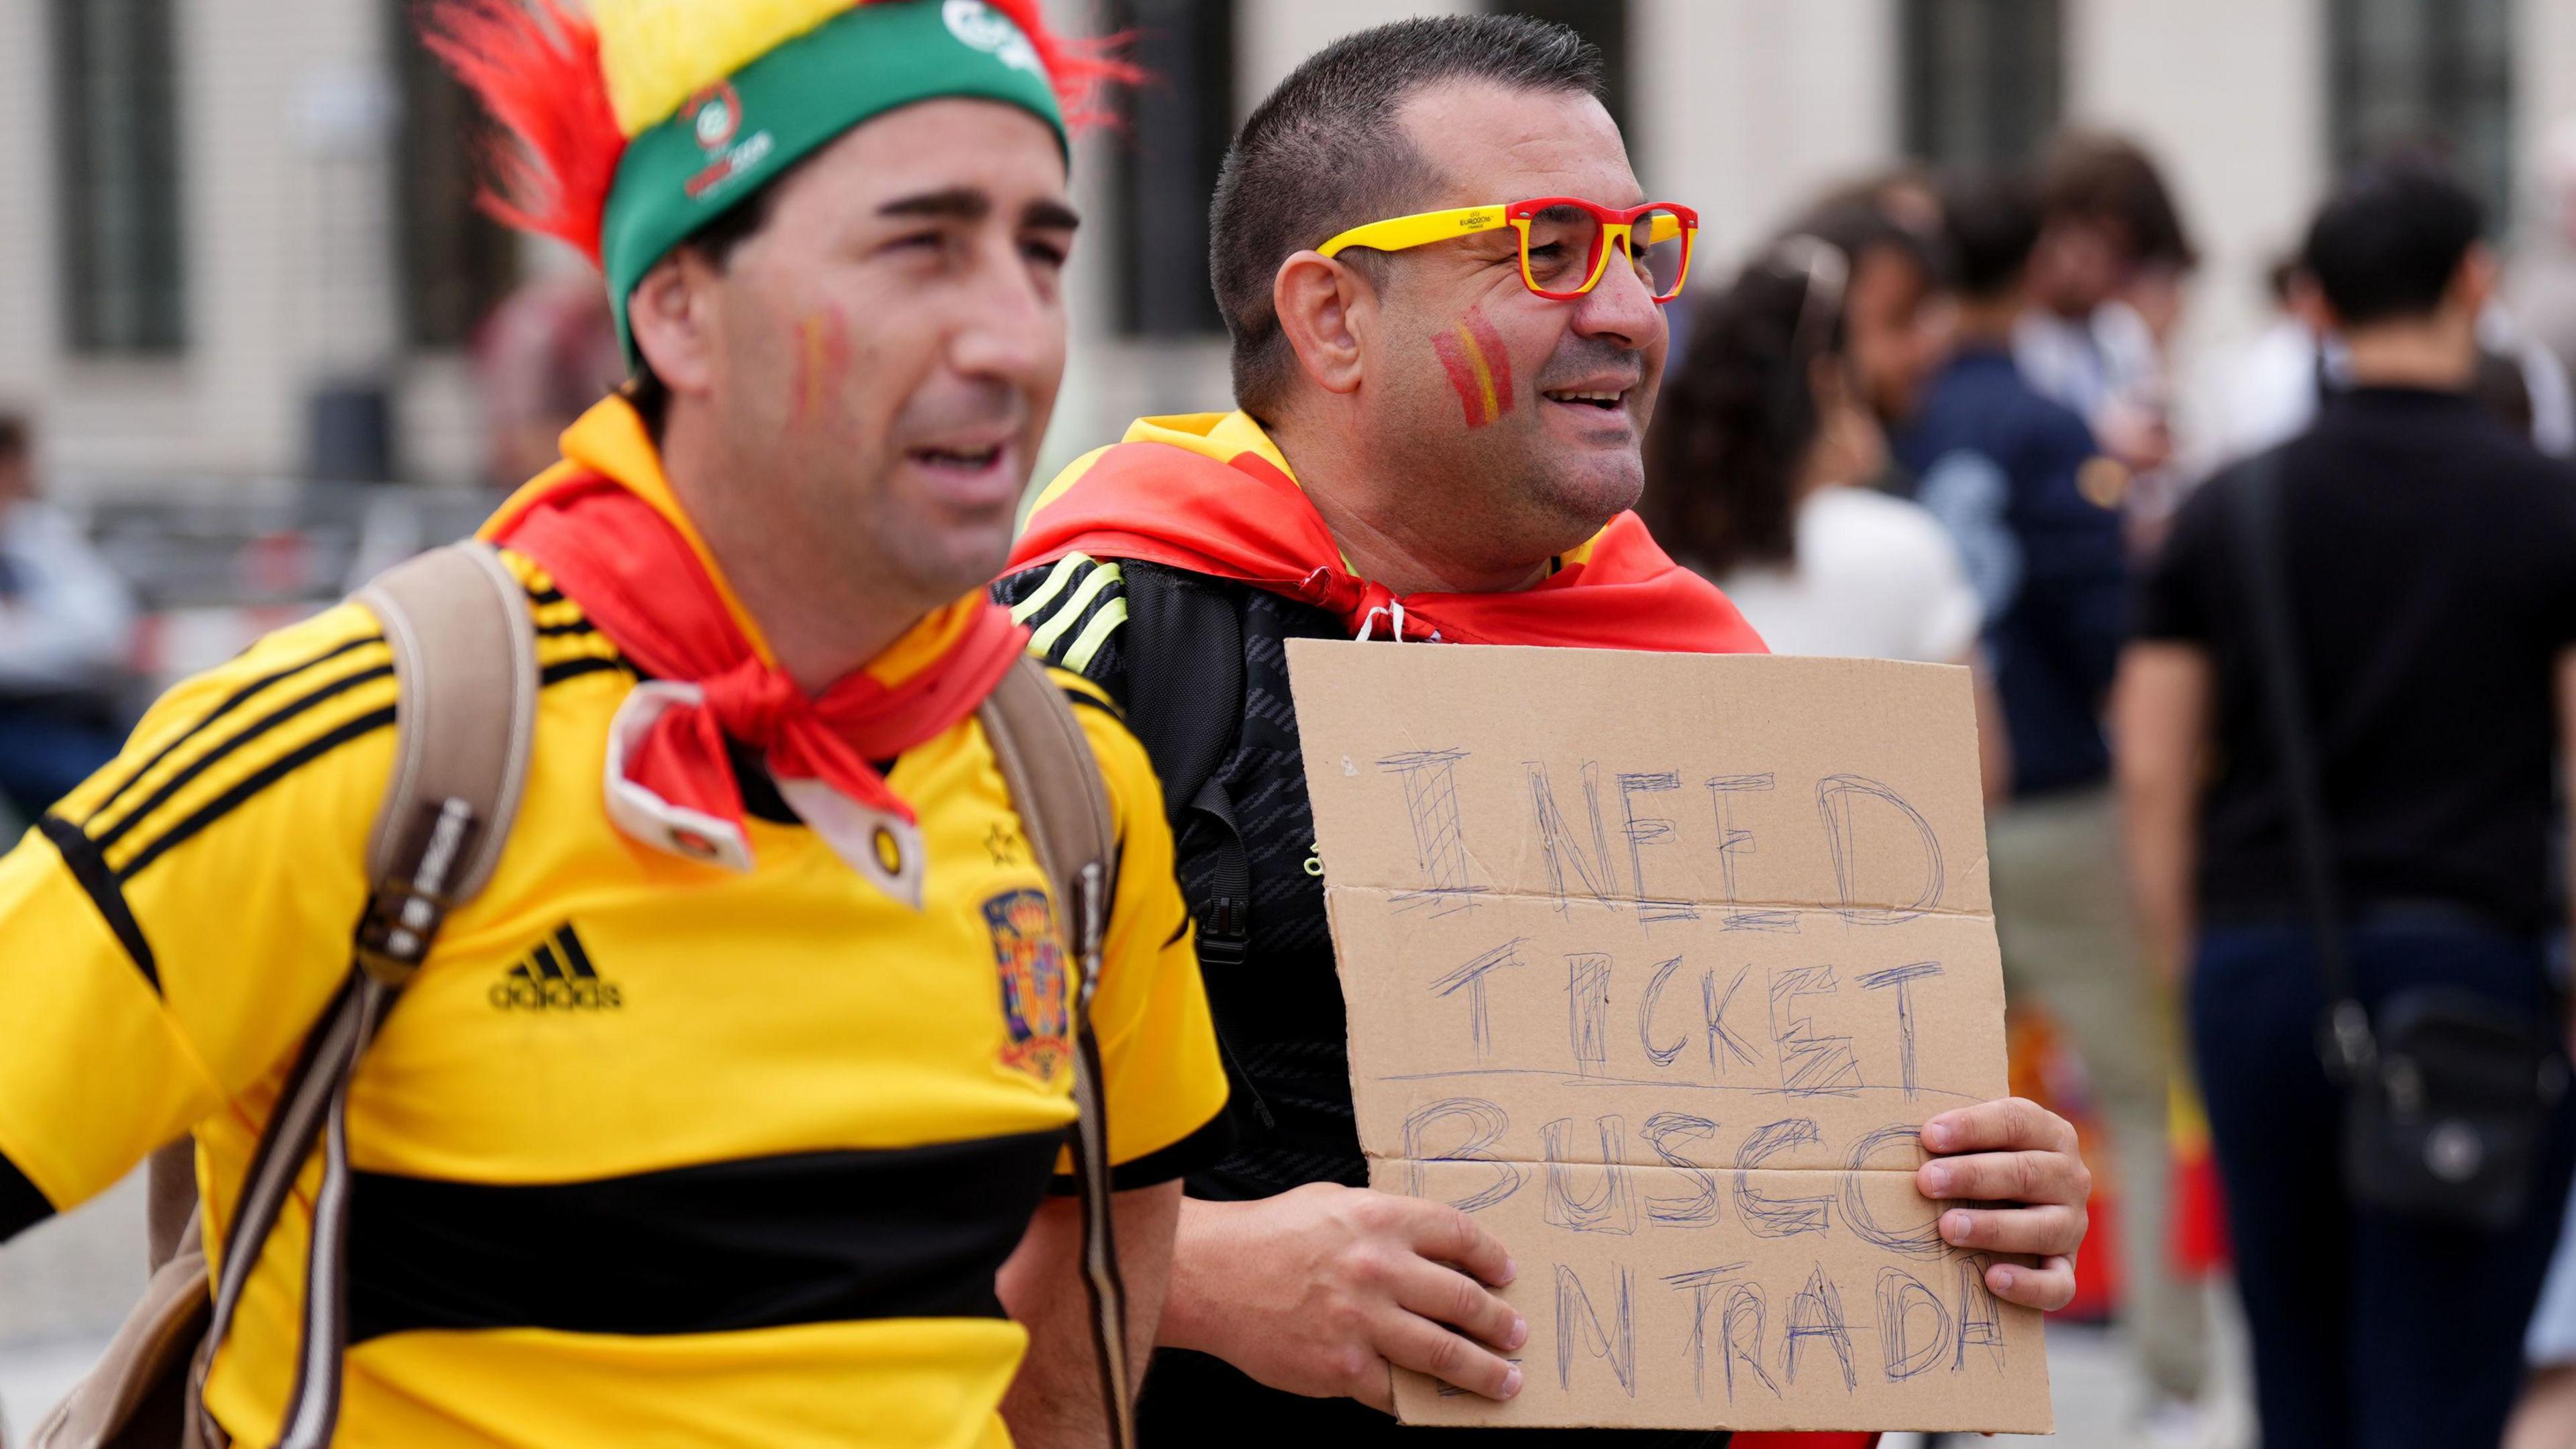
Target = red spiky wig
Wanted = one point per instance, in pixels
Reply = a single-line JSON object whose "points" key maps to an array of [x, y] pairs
{"points": [[536, 66]]}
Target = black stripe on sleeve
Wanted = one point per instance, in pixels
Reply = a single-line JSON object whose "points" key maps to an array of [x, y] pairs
{"points": [[1202, 1148], [89, 867], [232, 799], [21, 1205], [576, 668], [289, 763], [231, 702], [224, 751]]}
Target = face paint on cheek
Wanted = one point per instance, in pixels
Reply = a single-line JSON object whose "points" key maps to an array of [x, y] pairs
{"points": [[1479, 368], [822, 344]]}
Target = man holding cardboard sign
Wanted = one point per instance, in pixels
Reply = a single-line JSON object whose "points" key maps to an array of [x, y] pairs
{"points": [[1439, 440]]}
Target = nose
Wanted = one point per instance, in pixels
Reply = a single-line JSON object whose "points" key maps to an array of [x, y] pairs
{"points": [[1012, 329], [1621, 308]]}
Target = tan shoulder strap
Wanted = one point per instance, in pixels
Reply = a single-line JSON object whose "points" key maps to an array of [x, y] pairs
{"points": [[465, 670], [1055, 783], [1064, 806], [458, 625]]}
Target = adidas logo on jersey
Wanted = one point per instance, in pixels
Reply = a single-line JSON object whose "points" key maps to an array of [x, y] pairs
{"points": [[557, 976]]}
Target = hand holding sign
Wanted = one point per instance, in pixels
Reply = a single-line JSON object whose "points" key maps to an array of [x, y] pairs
{"points": [[1327, 1286], [1657, 968]]}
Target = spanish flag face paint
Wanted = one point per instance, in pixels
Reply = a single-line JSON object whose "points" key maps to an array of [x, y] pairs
{"points": [[1479, 368]]}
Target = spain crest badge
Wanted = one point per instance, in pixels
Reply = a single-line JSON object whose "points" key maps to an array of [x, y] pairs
{"points": [[1030, 959]]}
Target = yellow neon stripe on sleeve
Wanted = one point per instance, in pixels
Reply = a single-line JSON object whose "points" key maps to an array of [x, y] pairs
{"points": [[1065, 618], [1065, 568], [1086, 646]]}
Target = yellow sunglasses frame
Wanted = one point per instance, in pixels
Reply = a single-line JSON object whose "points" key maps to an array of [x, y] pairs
{"points": [[1618, 232]]}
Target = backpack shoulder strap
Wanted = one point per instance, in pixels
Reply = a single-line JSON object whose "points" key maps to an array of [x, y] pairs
{"points": [[1184, 678], [1064, 806], [1185, 700], [465, 658], [465, 670]]}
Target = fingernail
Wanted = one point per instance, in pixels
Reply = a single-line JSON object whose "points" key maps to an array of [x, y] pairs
{"points": [[1936, 1180], [1954, 1226], [1520, 1332], [1936, 1135], [1510, 1271], [2004, 1280], [1511, 1383]]}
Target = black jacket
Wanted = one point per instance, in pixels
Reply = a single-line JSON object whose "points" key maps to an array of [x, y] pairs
{"points": [[1200, 666]]}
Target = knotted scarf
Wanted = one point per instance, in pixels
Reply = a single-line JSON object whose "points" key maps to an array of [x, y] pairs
{"points": [[606, 527], [1190, 500]]}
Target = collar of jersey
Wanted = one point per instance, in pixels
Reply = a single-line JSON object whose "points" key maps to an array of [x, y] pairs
{"points": [[611, 442], [1222, 436]]}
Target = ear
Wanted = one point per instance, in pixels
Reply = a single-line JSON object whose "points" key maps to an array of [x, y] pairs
{"points": [[671, 313], [2307, 302], [1828, 381], [2475, 281], [1326, 308]]}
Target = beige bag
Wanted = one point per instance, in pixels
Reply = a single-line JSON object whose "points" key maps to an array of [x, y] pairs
{"points": [[465, 665]]}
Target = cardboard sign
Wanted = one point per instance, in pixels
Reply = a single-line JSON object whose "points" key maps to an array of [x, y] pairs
{"points": [[1656, 963]]}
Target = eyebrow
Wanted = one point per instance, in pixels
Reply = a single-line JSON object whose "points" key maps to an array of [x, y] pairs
{"points": [[1050, 216], [966, 203]]}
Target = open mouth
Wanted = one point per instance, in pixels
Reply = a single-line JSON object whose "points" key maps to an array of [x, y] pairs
{"points": [[959, 460], [1608, 402]]}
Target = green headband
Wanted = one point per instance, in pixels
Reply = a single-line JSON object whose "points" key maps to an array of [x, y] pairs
{"points": [[735, 137]]}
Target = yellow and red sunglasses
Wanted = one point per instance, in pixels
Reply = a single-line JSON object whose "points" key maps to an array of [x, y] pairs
{"points": [[1564, 239]]}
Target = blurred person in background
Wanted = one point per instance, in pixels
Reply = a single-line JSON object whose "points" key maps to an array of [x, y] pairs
{"points": [[2106, 287], [2035, 510], [1894, 312], [541, 359], [2275, 382], [2542, 281], [2430, 563], [1758, 472], [66, 630], [2271, 381], [546, 353]]}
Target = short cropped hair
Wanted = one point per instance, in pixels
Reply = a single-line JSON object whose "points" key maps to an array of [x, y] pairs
{"points": [[1325, 153], [2386, 245], [1993, 223], [2108, 178]]}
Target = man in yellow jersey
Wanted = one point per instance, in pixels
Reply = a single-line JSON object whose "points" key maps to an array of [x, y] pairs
{"points": [[1443, 283], [714, 1118]]}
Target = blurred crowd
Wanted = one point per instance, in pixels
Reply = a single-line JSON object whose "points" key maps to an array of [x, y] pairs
{"points": [[1934, 420]]}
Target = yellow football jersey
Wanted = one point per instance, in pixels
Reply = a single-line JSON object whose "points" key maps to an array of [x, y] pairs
{"points": [[652, 1152]]}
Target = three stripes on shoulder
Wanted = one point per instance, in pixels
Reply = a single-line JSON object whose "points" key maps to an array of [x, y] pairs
{"points": [[1073, 613]]}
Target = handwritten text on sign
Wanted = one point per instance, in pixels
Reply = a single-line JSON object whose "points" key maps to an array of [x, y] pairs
{"points": [[1656, 963]]}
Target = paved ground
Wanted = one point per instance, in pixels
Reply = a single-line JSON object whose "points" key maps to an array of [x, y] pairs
{"points": [[64, 1286]]}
